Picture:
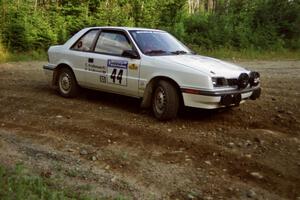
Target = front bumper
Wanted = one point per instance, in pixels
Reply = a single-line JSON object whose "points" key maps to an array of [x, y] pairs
{"points": [[49, 73], [218, 99]]}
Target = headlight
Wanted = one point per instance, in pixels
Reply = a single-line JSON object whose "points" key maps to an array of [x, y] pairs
{"points": [[219, 82]]}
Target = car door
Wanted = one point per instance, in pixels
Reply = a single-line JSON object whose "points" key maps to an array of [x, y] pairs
{"points": [[109, 68]]}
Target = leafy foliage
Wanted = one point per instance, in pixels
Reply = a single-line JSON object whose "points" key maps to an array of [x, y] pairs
{"points": [[235, 24], [247, 24]]}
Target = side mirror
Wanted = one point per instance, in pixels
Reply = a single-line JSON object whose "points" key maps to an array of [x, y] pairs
{"points": [[130, 54]]}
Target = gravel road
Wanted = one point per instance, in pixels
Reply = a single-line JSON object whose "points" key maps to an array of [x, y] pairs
{"points": [[106, 146]]}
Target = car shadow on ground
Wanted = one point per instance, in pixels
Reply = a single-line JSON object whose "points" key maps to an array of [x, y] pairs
{"points": [[195, 114], [129, 104], [132, 105]]}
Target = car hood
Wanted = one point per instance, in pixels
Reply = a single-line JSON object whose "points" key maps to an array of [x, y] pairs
{"points": [[211, 66]]}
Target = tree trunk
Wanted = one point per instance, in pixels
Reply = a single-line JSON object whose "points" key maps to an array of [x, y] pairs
{"points": [[194, 5], [210, 5], [35, 4]]}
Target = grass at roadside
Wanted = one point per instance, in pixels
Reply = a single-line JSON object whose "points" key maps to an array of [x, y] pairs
{"points": [[3, 53], [17, 184], [250, 54], [222, 53], [22, 56]]}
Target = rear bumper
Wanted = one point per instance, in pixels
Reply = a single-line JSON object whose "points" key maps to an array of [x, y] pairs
{"points": [[218, 99]]}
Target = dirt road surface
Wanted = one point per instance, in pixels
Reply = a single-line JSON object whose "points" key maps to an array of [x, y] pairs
{"points": [[106, 146]]}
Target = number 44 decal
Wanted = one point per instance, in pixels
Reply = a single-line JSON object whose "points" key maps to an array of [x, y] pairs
{"points": [[117, 72], [114, 75]]}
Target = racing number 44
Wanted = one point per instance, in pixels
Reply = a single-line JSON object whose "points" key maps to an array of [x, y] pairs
{"points": [[114, 75]]}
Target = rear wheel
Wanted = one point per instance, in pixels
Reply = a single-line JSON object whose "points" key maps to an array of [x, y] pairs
{"points": [[165, 101], [67, 85]]}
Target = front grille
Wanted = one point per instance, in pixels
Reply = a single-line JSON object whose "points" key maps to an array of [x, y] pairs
{"points": [[232, 82]]}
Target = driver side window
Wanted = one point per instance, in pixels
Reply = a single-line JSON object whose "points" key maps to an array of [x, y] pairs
{"points": [[114, 43]]}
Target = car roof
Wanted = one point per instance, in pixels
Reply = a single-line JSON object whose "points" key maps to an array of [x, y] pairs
{"points": [[124, 28]]}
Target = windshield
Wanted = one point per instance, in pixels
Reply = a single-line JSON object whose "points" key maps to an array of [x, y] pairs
{"points": [[155, 43]]}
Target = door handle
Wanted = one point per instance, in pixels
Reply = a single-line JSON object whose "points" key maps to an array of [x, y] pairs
{"points": [[91, 60]]}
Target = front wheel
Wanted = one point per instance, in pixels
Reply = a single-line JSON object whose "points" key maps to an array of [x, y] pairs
{"points": [[67, 85], [165, 101]]}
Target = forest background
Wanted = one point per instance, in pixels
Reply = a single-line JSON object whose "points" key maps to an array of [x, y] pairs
{"points": [[253, 29]]}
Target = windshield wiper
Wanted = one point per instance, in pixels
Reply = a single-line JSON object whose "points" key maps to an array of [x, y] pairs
{"points": [[155, 52], [179, 52]]}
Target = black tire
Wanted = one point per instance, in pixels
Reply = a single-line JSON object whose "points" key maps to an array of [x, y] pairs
{"points": [[165, 101], [67, 84]]}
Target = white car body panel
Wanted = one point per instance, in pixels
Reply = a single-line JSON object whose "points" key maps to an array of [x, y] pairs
{"points": [[207, 64], [162, 66], [194, 72]]}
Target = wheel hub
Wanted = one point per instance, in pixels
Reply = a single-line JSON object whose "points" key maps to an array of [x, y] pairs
{"points": [[65, 82], [160, 100]]}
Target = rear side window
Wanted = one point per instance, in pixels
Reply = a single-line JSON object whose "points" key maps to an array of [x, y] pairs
{"points": [[112, 43], [85, 43]]}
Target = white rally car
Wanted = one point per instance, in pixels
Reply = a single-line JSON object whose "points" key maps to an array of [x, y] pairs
{"points": [[148, 64]]}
